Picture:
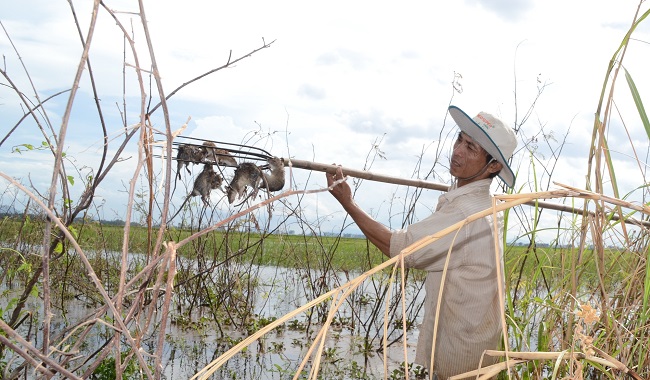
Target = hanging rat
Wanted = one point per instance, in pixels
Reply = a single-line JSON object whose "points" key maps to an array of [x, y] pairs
{"points": [[185, 154], [250, 175], [205, 182], [214, 155], [247, 174], [275, 180]]}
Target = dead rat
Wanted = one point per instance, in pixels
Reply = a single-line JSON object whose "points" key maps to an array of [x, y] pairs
{"points": [[205, 182], [187, 153], [246, 174], [251, 175], [275, 180], [218, 156]]}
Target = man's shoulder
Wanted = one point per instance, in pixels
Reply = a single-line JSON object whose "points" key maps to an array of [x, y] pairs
{"points": [[471, 197], [480, 189]]}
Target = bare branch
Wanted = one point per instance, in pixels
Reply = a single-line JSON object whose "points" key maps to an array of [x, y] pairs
{"points": [[228, 64]]}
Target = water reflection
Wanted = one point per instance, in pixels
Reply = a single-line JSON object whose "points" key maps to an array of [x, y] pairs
{"points": [[279, 354], [190, 345]]}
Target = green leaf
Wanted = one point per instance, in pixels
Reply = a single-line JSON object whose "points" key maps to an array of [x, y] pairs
{"points": [[74, 232], [17, 148], [58, 248], [25, 267], [610, 164], [639, 103], [71, 180], [34, 292]]}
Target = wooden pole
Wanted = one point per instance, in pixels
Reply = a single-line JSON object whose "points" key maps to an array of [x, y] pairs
{"points": [[326, 168], [310, 165]]}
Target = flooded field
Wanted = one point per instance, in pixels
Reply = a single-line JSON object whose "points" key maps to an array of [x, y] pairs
{"points": [[352, 348], [279, 353]]}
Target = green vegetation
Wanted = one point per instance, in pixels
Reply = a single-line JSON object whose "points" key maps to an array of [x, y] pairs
{"points": [[547, 264], [291, 251]]}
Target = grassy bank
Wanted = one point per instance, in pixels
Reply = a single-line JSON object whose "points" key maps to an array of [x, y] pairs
{"points": [[544, 264], [341, 253]]}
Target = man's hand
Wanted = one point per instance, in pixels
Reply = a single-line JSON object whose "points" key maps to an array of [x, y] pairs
{"points": [[340, 191], [377, 233]]}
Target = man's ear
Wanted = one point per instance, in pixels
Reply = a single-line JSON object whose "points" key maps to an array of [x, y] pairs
{"points": [[495, 167]]}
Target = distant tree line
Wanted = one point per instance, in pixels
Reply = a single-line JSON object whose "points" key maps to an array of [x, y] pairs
{"points": [[18, 216]]}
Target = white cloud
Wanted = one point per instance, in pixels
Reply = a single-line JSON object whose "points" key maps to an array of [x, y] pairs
{"points": [[508, 10]]}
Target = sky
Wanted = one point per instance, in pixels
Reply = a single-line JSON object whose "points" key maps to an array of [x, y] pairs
{"points": [[341, 82]]}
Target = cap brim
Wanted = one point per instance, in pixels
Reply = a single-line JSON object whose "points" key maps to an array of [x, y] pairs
{"points": [[467, 125]]}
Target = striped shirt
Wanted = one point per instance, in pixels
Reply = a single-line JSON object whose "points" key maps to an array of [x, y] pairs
{"points": [[470, 312]]}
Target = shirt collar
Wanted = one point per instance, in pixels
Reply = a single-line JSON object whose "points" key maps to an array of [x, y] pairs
{"points": [[479, 186]]}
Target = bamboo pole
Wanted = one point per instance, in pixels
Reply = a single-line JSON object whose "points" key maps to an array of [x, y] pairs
{"points": [[310, 165], [327, 168]]}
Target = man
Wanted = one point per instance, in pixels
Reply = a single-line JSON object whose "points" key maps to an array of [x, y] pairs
{"points": [[469, 320]]}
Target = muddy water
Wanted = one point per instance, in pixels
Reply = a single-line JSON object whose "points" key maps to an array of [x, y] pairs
{"points": [[279, 353]]}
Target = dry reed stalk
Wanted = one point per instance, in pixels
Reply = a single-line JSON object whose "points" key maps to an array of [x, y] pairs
{"points": [[498, 259], [590, 195], [521, 357], [402, 267], [555, 355], [29, 349], [489, 371], [58, 175], [170, 252], [313, 373], [125, 245], [384, 340], [440, 293], [404, 327], [320, 338]]}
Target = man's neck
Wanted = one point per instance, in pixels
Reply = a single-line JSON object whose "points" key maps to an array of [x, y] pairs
{"points": [[460, 183]]}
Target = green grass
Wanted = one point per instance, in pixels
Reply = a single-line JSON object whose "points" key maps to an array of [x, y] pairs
{"points": [[340, 253]]}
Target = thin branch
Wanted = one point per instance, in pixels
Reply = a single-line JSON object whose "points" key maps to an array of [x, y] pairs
{"points": [[228, 64], [34, 351]]}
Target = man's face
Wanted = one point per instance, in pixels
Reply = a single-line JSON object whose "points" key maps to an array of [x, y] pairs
{"points": [[467, 159]]}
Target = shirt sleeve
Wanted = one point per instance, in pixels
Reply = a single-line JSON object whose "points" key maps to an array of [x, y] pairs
{"points": [[433, 256]]}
